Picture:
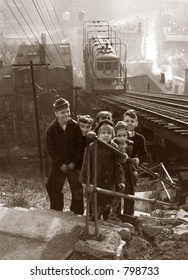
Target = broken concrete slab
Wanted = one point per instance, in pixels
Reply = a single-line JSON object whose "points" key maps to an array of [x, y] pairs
{"points": [[42, 225], [47, 226], [108, 247]]}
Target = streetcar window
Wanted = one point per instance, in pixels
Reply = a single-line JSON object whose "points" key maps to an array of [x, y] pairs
{"points": [[115, 66], [99, 66], [108, 66]]}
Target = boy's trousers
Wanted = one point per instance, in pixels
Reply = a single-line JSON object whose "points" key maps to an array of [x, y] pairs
{"points": [[54, 188]]}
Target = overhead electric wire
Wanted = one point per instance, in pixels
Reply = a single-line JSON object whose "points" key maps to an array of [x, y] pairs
{"points": [[43, 21], [39, 37], [54, 28], [18, 22], [30, 18], [64, 36], [2, 49], [48, 30], [9, 7], [60, 74]]}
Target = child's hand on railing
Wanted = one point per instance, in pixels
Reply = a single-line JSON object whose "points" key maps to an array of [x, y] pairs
{"points": [[136, 161], [121, 187], [123, 160], [89, 189]]}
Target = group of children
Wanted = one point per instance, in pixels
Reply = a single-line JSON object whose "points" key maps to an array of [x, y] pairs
{"points": [[66, 146]]}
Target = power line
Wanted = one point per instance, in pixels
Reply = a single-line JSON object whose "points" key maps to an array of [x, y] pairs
{"points": [[39, 43], [34, 36], [44, 23], [59, 73], [63, 34], [54, 28]]}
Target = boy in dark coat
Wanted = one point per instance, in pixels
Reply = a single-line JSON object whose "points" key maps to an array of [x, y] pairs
{"points": [[139, 151], [109, 170], [63, 142]]}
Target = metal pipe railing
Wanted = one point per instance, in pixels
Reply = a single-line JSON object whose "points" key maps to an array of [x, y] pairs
{"points": [[92, 137], [129, 196]]}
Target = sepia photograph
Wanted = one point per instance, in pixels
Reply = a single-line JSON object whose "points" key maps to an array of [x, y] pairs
{"points": [[94, 132]]}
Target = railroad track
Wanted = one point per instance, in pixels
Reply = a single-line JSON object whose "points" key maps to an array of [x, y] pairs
{"points": [[167, 116], [163, 96]]}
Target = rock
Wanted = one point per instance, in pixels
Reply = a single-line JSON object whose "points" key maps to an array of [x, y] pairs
{"points": [[159, 213], [181, 231], [151, 230], [182, 214], [126, 234], [136, 248], [129, 226]]}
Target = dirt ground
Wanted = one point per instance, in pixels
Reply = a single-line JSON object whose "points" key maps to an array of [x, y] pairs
{"points": [[164, 245]]}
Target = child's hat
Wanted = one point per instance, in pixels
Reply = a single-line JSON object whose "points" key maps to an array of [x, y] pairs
{"points": [[104, 121], [121, 125], [60, 104]]}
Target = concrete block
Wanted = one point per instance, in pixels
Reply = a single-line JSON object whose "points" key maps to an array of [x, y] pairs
{"points": [[42, 225], [108, 248]]}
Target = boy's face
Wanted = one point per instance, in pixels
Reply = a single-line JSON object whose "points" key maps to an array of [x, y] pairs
{"points": [[132, 123], [105, 134], [122, 136], [85, 128], [63, 115]]}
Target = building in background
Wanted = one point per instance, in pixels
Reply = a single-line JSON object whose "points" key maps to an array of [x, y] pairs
{"points": [[132, 36], [16, 91]]}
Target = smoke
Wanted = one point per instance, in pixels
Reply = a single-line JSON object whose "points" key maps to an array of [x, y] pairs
{"points": [[151, 55]]}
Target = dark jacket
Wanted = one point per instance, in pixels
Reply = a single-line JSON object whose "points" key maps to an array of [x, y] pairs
{"points": [[62, 146], [139, 146], [129, 147], [83, 146], [109, 170]]}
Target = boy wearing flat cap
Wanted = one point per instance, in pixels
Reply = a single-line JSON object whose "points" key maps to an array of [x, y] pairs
{"points": [[63, 143]]}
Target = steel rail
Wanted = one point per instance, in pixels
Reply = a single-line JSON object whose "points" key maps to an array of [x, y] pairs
{"points": [[161, 102], [151, 112]]}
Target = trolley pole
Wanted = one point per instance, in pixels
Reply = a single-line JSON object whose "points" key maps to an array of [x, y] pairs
{"points": [[31, 64]]}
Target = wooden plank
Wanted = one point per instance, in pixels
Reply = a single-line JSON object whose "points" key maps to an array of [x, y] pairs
{"points": [[181, 130], [172, 127]]}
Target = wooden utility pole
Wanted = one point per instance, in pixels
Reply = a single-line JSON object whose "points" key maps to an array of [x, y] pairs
{"points": [[75, 101], [31, 64]]}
